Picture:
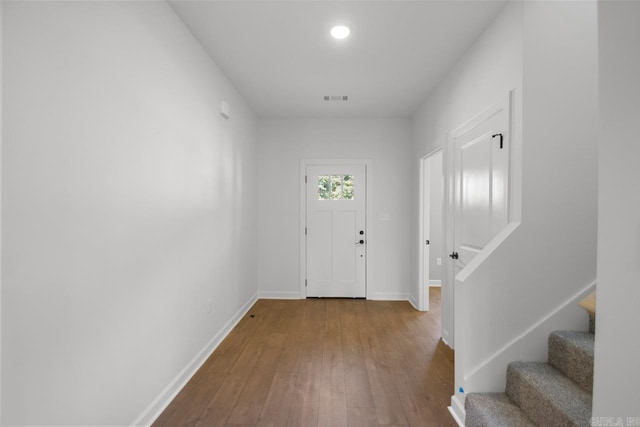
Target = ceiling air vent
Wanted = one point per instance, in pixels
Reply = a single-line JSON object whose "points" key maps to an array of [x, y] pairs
{"points": [[336, 98]]}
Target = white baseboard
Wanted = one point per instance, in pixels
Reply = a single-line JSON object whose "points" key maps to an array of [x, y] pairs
{"points": [[279, 295], [388, 296], [435, 283], [160, 403], [457, 410], [413, 301], [445, 339]]}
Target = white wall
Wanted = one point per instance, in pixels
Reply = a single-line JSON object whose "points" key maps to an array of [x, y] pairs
{"points": [[128, 202], [527, 281], [617, 366], [282, 144], [530, 284], [491, 68]]}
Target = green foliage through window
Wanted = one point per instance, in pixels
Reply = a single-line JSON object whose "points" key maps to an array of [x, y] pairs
{"points": [[324, 187], [335, 187]]}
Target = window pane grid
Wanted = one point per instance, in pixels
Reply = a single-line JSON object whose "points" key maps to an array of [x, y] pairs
{"points": [[335, 187]]}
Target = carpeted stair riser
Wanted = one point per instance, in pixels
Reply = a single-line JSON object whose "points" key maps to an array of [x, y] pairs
{"points": [[572, 354], [547, 396], [493, 410]]}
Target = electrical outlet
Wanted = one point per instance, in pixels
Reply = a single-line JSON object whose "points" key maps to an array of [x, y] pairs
{"points": [[439, 261]]}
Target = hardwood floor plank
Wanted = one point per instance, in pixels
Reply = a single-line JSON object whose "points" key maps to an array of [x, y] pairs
{"points": [[249, 404], [221, 405], [387, 402], [414, 403], [332, 402], [362, 417], [304, 405], [323, 362], [314, 334], [199, 396], [296, 322], [275, 411], [358, 389]]}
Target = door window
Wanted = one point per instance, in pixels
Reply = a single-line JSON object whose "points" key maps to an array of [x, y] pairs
{"points": [[335, 187]]}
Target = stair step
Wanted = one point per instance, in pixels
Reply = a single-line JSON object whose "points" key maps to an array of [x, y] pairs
{"points": [[571, 353], [546, 396], [493, 410]]}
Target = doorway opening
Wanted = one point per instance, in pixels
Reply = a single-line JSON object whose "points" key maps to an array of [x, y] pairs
{"points": [[431, 225]]}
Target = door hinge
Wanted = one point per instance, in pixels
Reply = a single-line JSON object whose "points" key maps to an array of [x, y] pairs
{"points": [[305, 231], [305, 283], [305, 179]]}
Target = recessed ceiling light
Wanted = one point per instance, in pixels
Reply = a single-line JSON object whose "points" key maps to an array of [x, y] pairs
{"points": [[340, 32]]}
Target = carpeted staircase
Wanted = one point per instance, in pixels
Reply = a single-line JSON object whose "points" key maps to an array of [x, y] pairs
{"points": [[557, 393]]}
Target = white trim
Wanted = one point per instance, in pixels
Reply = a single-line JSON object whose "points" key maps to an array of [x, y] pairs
{"points": [[444, 340], [435, 283], [160, 403], [413, 302], [303, 215], [457, 410], [389, 296], [279, 295]]}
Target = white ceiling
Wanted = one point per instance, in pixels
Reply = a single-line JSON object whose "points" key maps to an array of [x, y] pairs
{"points": [[282, 60]]}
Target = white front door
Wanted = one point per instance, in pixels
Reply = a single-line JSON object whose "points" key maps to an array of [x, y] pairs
{"points": [[481, 183], [336, 230]]}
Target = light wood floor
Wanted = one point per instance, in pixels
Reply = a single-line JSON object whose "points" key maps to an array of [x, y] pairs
{"points": [[324, 362]]}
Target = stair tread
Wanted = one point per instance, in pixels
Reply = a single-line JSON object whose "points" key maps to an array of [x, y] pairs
{"points": [[493, 410], [542, 391], [571, 352]]}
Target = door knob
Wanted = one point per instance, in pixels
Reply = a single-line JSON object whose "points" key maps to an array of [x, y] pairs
{"points": [[361, 242], [454, 255], [361, 232]]}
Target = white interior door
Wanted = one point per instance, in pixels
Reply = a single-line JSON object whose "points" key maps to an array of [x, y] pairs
{"points": [[481, 184], [336, 230]]}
